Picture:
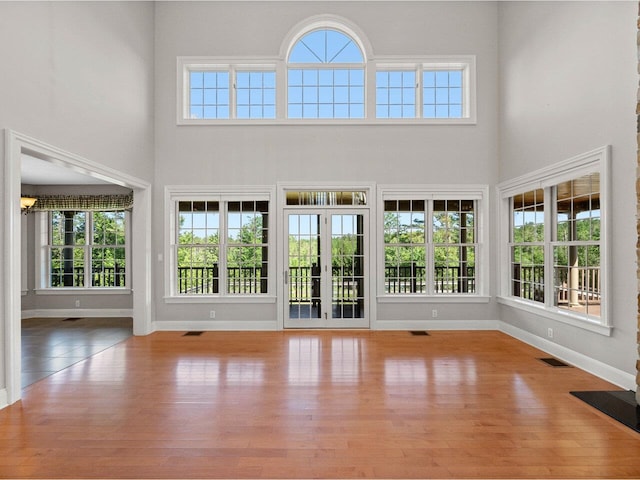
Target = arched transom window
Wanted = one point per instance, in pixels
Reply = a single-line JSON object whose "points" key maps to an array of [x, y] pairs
{"points": [[326, 72], [325, 77]]}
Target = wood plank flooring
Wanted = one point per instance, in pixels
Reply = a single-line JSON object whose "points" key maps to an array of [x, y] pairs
{"points": [[308, 404]]}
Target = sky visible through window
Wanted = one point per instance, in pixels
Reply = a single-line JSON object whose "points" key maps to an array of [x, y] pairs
{"points": [[326, 80], [333, 86]]}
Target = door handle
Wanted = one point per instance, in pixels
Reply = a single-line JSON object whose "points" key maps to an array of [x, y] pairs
{"points": [[285, 274]]}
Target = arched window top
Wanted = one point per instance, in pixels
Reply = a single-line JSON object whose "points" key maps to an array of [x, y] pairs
{"points": [[344, 38], [325, 45]]}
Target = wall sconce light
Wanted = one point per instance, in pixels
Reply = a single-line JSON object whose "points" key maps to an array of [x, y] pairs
{"points": [[26, 203]]}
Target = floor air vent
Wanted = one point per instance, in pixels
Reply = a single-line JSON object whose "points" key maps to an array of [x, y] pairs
{"points": [[419, 333], [554, 362], [72, 319], [192, 334]]}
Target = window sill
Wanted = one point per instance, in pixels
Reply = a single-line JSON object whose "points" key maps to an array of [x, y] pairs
{"points": [[558, 315], [433, 299], [220, 299], [82, 291]]}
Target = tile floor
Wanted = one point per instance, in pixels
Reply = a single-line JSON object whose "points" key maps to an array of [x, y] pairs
{"points": [[53, 344]]}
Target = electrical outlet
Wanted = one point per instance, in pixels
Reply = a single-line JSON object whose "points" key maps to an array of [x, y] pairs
{"points": [[77, 303], [434, 313], [212, 314], [550, 332]]}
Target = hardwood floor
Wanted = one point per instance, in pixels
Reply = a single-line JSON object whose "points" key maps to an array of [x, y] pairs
{"points": [[307, 404], [53, 344]]}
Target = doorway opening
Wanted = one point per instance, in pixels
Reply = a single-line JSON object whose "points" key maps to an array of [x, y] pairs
{"points": [[326, 280]]}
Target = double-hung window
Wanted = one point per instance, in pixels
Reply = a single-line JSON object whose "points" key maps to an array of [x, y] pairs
{"points": [[219, 244], [576, 246], [86, 249], [555, 232], [527, 245], [431, 243]]}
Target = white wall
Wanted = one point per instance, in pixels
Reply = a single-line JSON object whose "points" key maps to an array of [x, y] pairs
{"points": [[77, 76], [568, 77], [265, 155], [81, 78]]}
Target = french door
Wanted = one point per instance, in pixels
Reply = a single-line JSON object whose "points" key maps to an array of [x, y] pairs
{"points": [[326, 277]]}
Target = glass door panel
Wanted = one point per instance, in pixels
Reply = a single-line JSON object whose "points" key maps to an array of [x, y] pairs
{"points": [[304, 262], [325, 277], [347, 266]]}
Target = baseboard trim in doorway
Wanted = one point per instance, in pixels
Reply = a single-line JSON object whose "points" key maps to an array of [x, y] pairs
{"points": [[77, 313]]}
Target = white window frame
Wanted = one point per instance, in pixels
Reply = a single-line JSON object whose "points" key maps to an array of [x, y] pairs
{"points": [[186, 65], [429, 193], [178, 193], [595, 161], [466, 63], [43, 259]]}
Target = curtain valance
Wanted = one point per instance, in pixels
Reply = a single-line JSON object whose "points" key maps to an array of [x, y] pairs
{"points": [[84, 202]]}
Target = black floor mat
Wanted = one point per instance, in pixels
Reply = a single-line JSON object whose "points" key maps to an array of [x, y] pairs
{"points": [[619, 405]]}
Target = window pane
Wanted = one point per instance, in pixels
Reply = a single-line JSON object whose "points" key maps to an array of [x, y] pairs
{"points": [[197, 254], [247, 251], [577, 265], [578, 209], [527, 267], [442, 94], [255, 94], [577, 279], [454, 251], [107, 250], [198, 223], [325, 46], [405, 251], [527, 215], [68, 227], [67, 267], [209, 95], [107, 267], [454, 269], [395, 94], [198, 270]]}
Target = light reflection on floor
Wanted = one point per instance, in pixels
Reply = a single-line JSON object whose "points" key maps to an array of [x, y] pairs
{"points": [[50, 345]]}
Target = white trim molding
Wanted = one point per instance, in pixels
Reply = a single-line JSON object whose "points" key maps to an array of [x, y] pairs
{"points": [[17, 144], [278, 63], [215, 325], [594, 161], [77, 312], [602, 370]]}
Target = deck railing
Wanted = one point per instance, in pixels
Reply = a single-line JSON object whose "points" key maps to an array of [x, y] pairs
{"points": [[412, 279], [528, 282], [206, 280], [104, 277]]}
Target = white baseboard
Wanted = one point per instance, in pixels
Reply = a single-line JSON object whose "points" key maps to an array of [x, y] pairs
{"points": [[436, 325], [214, 325], [4, 402], [606, 372], [77, 312]]}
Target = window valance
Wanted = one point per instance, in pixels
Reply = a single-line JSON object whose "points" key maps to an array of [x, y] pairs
{"points": [[84, 202]]}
